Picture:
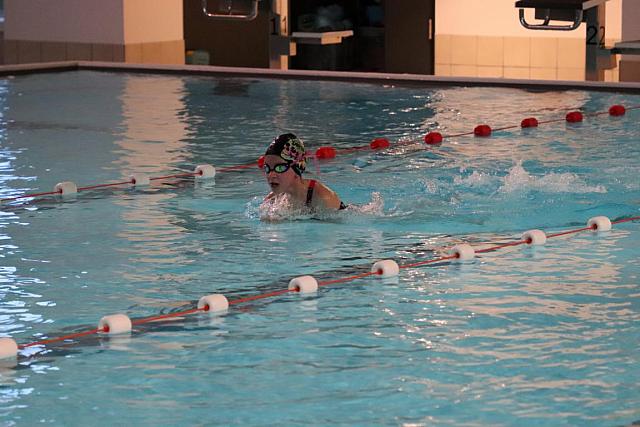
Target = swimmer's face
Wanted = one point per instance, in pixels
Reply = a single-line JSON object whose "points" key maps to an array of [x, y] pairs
{"points": [[280, 176]]}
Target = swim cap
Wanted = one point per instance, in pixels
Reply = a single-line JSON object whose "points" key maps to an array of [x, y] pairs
{"points": [[290, 149]]}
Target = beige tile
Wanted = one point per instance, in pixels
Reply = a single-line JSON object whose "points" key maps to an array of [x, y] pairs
{"points": [[443, 49], [464, 70], [10, 52], [151, 53], [102, 52], [79, 51], [169, 52], [491, 51], [543, 73], [517, 52], [490, 71], [183, 49], [54, 51], [571, 74], [443, 69], [609, 42], [571, 53], [173, 52], [612, 75], [464, 50], [133, 53], [29, 52], [118, 53], [544, 52], [517, 73]]}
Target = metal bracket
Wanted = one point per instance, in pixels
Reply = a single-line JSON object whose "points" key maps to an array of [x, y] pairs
{"points": [[231, 16], [627, 48], [545, 25]]}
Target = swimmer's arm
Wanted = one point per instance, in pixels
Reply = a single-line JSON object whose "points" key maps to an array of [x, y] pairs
{"points": [[325, 198], [269, 196]]}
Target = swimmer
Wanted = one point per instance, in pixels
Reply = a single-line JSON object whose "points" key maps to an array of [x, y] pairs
{"points": [[284, 163]]}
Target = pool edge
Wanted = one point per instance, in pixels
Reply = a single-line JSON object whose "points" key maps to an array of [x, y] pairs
{"points": [[349, 76]]}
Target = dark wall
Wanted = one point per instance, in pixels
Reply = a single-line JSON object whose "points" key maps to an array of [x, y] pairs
{"points": [[408, 47], [229, 43]]}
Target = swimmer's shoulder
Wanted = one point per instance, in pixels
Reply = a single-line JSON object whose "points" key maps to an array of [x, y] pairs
{"points": [[325, 197]]}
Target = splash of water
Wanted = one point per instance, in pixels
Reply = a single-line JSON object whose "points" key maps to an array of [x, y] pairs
{"points": [[476, 179], [518, 179], [280, 208], [374, 208]]}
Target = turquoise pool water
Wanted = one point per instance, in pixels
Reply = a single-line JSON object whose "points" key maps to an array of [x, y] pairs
{"points": [[521, 336]]}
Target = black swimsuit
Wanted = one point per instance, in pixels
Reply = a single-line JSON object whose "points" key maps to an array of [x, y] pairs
{"points": [[312, 184]]}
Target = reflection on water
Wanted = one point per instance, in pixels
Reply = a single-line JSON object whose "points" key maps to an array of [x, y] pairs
{"points": [[232, 87], [152, 138]]}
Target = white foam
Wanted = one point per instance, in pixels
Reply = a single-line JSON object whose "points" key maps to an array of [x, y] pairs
{"points": [[519, 180], [280, 208], [476, 179]]}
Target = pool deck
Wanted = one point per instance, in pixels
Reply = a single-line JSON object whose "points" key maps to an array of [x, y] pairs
{"points": [[378, 78]]}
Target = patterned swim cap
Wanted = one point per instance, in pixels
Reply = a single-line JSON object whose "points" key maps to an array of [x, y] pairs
{"points": [[291, 149]]}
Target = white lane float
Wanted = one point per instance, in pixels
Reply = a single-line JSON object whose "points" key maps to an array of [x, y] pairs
{"points": [[599, 223], [115, 324], [304, 284], [213, 303], [463, 252], [386, 268], [204, 171], [534, 237]]}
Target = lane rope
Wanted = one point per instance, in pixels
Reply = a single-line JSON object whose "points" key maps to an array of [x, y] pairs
{"points": [[120, 323], [217, 303], [323, 152]]}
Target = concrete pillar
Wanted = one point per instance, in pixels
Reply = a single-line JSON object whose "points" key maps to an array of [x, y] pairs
{"points": [[630, 64]]}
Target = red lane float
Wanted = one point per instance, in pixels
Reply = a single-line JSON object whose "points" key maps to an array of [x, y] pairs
{"points": [[433, 138], [617, 110], [529, 122], [325, 153], [482, 130], [574, 117], [208, 171], [379, 144]]}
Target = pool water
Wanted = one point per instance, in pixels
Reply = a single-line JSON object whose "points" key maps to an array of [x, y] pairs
{"points": [[520, 336]]}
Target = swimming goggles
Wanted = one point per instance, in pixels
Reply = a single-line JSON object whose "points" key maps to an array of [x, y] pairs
{"points": [[279, 168]]}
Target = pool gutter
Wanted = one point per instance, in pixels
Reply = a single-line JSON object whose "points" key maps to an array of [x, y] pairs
{"points": [[375, 78]]}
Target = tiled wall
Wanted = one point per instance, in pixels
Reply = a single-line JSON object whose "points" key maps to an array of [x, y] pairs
{"points": [[171, 52], [23, 52], [629, 69], [512, 57]]}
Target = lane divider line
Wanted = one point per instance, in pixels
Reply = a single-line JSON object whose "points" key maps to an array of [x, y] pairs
{"points": [[324, 152], [216, 303]]}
